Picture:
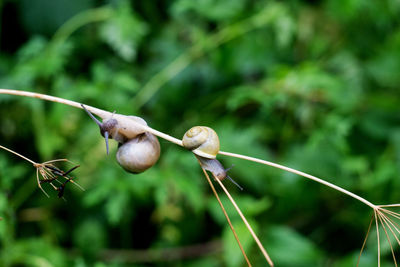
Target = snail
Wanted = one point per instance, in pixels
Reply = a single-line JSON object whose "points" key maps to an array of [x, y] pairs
{"points": [[204, 143], [138, 150]]}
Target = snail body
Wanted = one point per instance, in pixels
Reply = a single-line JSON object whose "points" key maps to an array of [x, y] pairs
{"points": [[117, 128], [138, 150], [214, 166]]}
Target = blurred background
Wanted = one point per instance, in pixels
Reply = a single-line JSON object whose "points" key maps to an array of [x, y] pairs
{"points": [[313, 85]]}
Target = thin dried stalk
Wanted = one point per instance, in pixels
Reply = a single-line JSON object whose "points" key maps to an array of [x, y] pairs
{"points": [[377, 238], [99, 112], [389, 226], [387, 236], [261, 247], [17, 154], [226, 215], [104, 114], [365, 241], [47, 171]]}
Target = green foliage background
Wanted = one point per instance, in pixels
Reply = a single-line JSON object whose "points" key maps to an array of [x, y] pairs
{"points": [[313, 85]]}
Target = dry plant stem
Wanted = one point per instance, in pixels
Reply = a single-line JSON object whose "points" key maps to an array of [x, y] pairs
{"points": [[391, 224], [264, 252], [99, 112], [382, 216], [17, 154], [36, 165], [394, 214], [41, 169], [226, 215], [383, 220], [365, 240], [104, 114], [395, 226], [387, 236], [388, 206], [377, 238], [316, 179]]}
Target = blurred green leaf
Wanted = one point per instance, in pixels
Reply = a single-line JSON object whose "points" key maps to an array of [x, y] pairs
{"points": [[219, 10], [124, 31], [89, 236], [290, 248]]}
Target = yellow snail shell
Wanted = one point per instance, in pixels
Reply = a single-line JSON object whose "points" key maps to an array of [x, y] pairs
{"points": [[202, 141]]}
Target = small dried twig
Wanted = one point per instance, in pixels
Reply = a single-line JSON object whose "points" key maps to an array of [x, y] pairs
{"points": [[259, 244], [226, 215], [49, 173], [388, 221], [365, 240]]}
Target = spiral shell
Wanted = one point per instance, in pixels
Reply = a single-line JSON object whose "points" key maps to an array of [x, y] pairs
{"points": [[139, 153], [202, 140]]}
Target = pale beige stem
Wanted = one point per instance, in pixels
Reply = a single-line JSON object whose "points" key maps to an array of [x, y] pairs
{"points": [[17, 154], [264, 252], [388, 206], [316, 179], [392, 213], [395, 224], [226, 215], [390, 225], [387, 236], [99, 112], [104, 114], [377, 238], [365, 241]]}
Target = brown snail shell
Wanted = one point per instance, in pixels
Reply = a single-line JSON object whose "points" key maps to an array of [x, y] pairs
{"points": [[139, 153]]}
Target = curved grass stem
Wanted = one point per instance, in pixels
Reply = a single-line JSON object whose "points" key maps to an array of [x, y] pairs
{"points": [[17, 154], [103, 114], [226, 215], [259, 244], [47, 171], [314, 178], [387, 222], [365, 240], [99, 112]]}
